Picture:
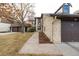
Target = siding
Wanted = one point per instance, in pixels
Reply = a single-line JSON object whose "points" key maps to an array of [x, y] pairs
{"points": [[4, 27]]}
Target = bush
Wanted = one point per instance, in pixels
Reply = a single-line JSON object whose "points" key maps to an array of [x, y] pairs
{"points": [[31, 29]]}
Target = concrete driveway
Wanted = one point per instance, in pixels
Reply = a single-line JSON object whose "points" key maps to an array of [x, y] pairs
{"points": [[69, 48]]}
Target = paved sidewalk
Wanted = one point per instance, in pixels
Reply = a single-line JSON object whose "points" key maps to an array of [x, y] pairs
{"points": [[65, 48], [32, 46], [33, 40]]}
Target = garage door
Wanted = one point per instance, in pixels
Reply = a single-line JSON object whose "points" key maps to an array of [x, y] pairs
{"points": [[70, 31]]}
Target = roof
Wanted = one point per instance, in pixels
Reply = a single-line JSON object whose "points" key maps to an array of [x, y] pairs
{"points": [[37, 17], [76, 12], [5, 21], [62, 15], [19, 25], [15, 25]]}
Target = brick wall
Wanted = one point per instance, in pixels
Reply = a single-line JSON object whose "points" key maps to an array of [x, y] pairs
{"points": [[52, 28]]}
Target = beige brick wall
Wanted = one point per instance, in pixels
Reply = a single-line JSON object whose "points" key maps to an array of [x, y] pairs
{"points": [[47, 26], [52, 28], [57, 31]]}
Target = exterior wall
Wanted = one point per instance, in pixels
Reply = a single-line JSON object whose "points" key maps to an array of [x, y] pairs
{"points": [[38, 24], [47, 26], [16, 29], [57, 31], [4, 27], [52, 28]]}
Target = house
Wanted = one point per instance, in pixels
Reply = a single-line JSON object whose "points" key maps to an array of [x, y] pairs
{"points": [[38, 24], [31, 22], [4, 26], [61, 27], [76, 12], [16, 27], [11, 26]]}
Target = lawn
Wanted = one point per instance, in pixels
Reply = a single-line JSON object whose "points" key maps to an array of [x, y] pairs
{"points": [[10, 44]]}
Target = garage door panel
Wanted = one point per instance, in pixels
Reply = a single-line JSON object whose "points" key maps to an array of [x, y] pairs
{"points": [[69, 31]]}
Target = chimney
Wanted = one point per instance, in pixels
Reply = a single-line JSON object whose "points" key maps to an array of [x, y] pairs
{"points": [[66, 8]]}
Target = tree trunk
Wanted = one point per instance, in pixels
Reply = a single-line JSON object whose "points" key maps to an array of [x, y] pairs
{"points": [[11, 28], [23, 28]]}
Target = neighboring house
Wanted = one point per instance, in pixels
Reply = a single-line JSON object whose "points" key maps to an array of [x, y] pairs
{"points": [[38, 23], [5, 27], [76, 12], [61, 28], [30, 25], [11, 26], [31, 22], [15, 28]]}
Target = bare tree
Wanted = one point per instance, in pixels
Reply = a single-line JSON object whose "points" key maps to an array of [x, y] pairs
{"points": [[5, 11], [23, 11], [17, 12]]}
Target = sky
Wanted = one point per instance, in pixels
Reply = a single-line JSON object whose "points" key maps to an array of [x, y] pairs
{"points": [[50, 6], [47, 6]]}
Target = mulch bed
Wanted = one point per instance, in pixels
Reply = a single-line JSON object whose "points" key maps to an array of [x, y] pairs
{"points": [[43, 38]]}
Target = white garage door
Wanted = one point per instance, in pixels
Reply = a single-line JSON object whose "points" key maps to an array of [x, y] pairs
{"points": [[4, 27]]}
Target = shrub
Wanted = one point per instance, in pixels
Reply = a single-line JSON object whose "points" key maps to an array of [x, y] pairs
{"points": [[31, 29]]}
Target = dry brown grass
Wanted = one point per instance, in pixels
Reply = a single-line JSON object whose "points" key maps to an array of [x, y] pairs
{"points": [[10, 44]]}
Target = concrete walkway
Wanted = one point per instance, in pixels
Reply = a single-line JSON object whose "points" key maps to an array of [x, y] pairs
{"points": [[32, 46], [69, 48]]}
